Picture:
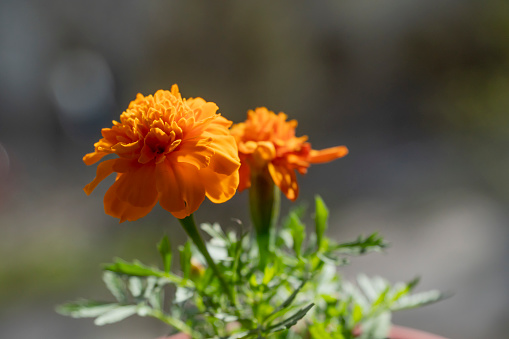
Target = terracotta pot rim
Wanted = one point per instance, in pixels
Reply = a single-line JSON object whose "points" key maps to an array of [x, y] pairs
{"points": [[401, 332]]}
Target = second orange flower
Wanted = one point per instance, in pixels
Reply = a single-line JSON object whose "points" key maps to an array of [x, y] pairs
{"points": [[267, 141]]}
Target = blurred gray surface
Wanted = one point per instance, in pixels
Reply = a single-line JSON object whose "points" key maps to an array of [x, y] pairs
{"points": [[416, 90]]}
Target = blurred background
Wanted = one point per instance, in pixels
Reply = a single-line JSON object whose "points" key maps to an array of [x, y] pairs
{"points": [[417, 90]]}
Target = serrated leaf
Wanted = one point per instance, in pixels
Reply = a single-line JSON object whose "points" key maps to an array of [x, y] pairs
{"points": [[288, 301], [176, 323], [298, 231], [117, 314], [156, 298], [377, 327], [403, 290], [116, 286], [373, 243], [138, 269], [214, 231], [182, 294], [135, 286], [321, 217], [292, 320], [417, 300], [143, 310], [135, 268], [164, 248], [85, 308], [151, 283], [368, 287]]}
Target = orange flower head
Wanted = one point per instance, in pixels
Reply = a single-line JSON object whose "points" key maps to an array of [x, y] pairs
{"points": [[170, 150], [268, 141]]}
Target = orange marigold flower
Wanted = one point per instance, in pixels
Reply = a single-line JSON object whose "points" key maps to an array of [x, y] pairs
{"points": [[171, 150], [267, 140]]}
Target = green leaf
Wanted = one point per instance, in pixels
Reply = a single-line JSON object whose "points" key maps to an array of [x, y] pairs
{"points": [[405, 289], [292, 320], [318, 331], [285, 307], [176, 323], [381, 297], [185, 259], [138, 269], [356, 313], [164, 248], [268, 274], [288, 300], [377, 327], [182, 294], [135, 286], [417, 300], [373, 243], [116, 314], [155, 298], [321, 217], [214, 231], [135, 268], [369, 286], [85, 308], [116, 285], [151, 285], [298, 231]]}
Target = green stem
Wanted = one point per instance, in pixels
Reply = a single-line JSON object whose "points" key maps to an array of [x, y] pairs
{"points": [[192, 231], [176, 323], [264, 197]]}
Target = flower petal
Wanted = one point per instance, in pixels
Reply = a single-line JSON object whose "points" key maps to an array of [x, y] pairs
{"points": [[286, 180], [244, 176], [168, 187], [92, 158], [122, 209], [192, 189], [328, 154], [195, 152], [180, 189], [104, 169], [219, 187], [226, 158], [138, 186]]}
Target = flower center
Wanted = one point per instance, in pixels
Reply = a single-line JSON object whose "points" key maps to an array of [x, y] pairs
{"points": [[158, 144]]}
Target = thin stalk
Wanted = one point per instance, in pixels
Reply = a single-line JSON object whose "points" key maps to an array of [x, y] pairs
{"points": [[177, 323], [192, 231], [264, 197]]}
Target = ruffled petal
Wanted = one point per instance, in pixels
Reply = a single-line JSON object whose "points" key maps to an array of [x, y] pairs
{"points": [[286, 180], [121, 209], [328, 154], [264, 153], [192, 189], [181, 191], [92, 158], [104, 169], [170, 197], [138, 186], [244, 176], [195, 152], [226, 156], [219, 187]]}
